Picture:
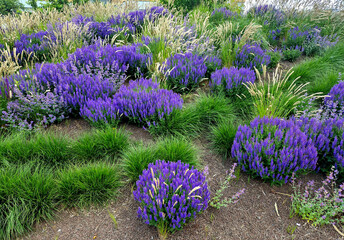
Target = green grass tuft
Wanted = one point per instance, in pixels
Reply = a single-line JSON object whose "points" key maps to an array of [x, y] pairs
{"points": [[138, 157], [83, 186], [27, 196]]}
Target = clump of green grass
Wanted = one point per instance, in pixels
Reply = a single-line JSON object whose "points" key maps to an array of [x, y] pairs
{"points": [[195, 117], [100, 144], [138, 157], [27, 196], [317, 68], [222, 137], [83, 186], [55, 150], [277, 96]]}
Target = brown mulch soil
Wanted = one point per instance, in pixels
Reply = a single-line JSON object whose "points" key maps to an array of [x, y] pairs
{"points": [[253, 217]]}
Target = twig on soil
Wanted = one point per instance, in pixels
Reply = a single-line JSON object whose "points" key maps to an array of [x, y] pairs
{"points": [[276, 209], [285, 194], [335, 228]]}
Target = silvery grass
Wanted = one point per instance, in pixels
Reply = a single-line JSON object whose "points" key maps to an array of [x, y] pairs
{"points": [[292, 5], [330, 11], [274, 95], [9, 63], [27, 22]]}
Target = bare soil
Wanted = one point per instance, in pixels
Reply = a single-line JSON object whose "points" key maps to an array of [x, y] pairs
{"points": [[253, 217]]}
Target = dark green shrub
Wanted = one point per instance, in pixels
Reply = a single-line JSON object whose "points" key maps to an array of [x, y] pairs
{"points": [[10, 6], [291, 54], [184, 5], [275, 58]]}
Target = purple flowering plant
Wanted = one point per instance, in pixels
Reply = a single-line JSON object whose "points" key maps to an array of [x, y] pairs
{"points": [[218, 201], [308, 40], [33, 45], [268, 15], [184, 72], [222, 14], [230, 80], [328, 137], [334, 102], [170, 194], [251, 56], [142, 102], [273, 149], [34, 110], [319, 205]]}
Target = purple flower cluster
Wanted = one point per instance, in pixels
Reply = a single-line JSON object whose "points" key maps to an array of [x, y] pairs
{"points": [[92, 73], [130, 23], [335, 99], [269, 14], [142, 101], [231, 80], [221, 14], [35, 109], [184, 71], [274, 36], [308, 40], [328, 138], [273, 149], [36, 43], [251, 56], [108, 59], [169, 194]]}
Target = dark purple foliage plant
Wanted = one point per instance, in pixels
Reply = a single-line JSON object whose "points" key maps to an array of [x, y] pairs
{"points": [[273, 149], [170, 194]]}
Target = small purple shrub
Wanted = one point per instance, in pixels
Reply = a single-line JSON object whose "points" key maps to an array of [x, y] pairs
{"points": [[328, 137], [251, 56], [36, 44], [309, 40], [335, 99], [142, 102], [230, 81], [269, 15], [32, 110], [169, 194], [273, 149], [184, 72]]}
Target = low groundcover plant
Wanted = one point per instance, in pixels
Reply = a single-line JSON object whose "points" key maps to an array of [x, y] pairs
{"points": [[170, 193], [323, 205]]}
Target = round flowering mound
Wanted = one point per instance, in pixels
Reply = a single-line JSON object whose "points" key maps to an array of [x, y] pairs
{"points": [[328, 137], [170, 193], [273, 149], [251, 56], [230, 81], [184, 72], [142, 101]]}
